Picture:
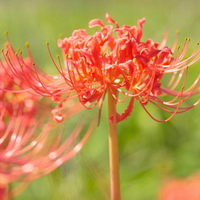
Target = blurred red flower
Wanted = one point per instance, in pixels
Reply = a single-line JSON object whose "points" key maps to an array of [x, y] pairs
{"points": [[30, 144], [181, 189]]}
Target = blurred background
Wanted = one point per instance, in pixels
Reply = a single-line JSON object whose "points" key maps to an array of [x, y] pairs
{"points": [[150, 152]]}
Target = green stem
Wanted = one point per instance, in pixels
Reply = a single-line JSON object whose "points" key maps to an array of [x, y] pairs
{"points": [[113, 150]]}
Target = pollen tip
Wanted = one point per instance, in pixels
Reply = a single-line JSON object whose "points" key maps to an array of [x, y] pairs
{"points": [[178, 32], [27, 44], [47, 43], [61, 35], [57, 56], [6, 32], [187, 39]]}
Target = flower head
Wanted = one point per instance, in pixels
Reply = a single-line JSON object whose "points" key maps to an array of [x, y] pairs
{"points": [[116, 59], [30, 146], [11, 92]]}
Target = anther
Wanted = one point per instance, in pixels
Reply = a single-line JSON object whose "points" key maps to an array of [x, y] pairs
{"points": [[27, 44], [61, 35], [187, 39]]}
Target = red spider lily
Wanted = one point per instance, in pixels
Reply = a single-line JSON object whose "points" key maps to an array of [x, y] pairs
{"points": [[116, 60], [181, 189], [26, 71], [11, 88], [29, 152], [30, 146], [8, 82]]}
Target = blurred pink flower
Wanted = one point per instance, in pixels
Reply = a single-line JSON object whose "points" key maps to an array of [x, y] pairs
{"points": [[3, 189], [181, 189], [30, 149], [31, 143], [10, 91]]}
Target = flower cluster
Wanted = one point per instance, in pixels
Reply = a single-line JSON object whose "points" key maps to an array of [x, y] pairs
{"points": [[30, 151], [11, 101], [114, 59], [30, 146]]}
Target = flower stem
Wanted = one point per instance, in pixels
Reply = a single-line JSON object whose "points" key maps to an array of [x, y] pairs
{"points": [[113, 150]]}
